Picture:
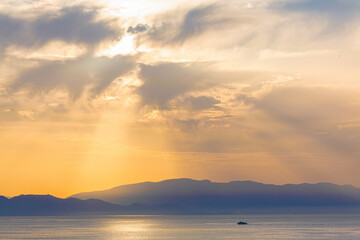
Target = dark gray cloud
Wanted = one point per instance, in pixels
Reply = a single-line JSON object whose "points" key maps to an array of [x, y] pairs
{"points": [[73, 24], [139, 28], [75, 75], [11, 30], [197, 21], [164, 82]]}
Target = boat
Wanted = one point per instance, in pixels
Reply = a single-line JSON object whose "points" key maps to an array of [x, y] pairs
{"points": [[242, 223]]}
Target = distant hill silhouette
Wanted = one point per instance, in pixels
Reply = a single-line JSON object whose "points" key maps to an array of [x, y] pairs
{"points": [[238, 196], [49, 205], [187, 196]]}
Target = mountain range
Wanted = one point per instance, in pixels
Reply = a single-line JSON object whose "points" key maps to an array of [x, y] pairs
{"points": [[237, 196], [187, 196], [30, 205]]}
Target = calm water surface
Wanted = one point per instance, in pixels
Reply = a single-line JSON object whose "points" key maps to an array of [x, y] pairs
{"points": [[277, 227]]}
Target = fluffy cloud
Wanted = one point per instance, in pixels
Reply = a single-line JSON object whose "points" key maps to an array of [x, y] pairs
{"points": [[164, 82], [320, 121], [187, 25], [138, 28], [75, 76], [197, 21], [72, 25]]}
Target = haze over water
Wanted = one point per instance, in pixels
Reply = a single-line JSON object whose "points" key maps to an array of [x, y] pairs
{"points": [[264, 227]]}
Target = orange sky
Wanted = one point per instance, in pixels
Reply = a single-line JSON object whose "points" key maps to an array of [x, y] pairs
{"points": [[96, 94]]}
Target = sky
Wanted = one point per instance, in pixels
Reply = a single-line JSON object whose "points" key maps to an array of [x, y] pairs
{"points": [[96, 94]]}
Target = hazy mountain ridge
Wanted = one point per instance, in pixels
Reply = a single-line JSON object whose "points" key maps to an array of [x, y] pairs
{"points": [[233, 195], [47, 205], [187, 196], [50, 205]]}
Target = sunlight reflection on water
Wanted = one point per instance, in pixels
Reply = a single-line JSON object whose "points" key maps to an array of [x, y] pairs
{"points": [[330, 227]]}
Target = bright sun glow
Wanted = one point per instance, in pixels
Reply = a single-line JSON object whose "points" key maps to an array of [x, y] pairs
{"points": [[125, 46]]}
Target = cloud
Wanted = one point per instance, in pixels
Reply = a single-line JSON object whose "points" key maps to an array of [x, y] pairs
{"points": [[10, 29], [339, 8], [76, 25], [177, 26], [283, 119], [202, 102], [75, 75], [164, 82], [186, 125], [272, 54], [338, 12], [301, 105], [197, 21], [245, 99], [315, 112], [139, 28]]}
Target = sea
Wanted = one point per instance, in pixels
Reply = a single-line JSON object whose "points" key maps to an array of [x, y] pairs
{"points": [[194, 227]]}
